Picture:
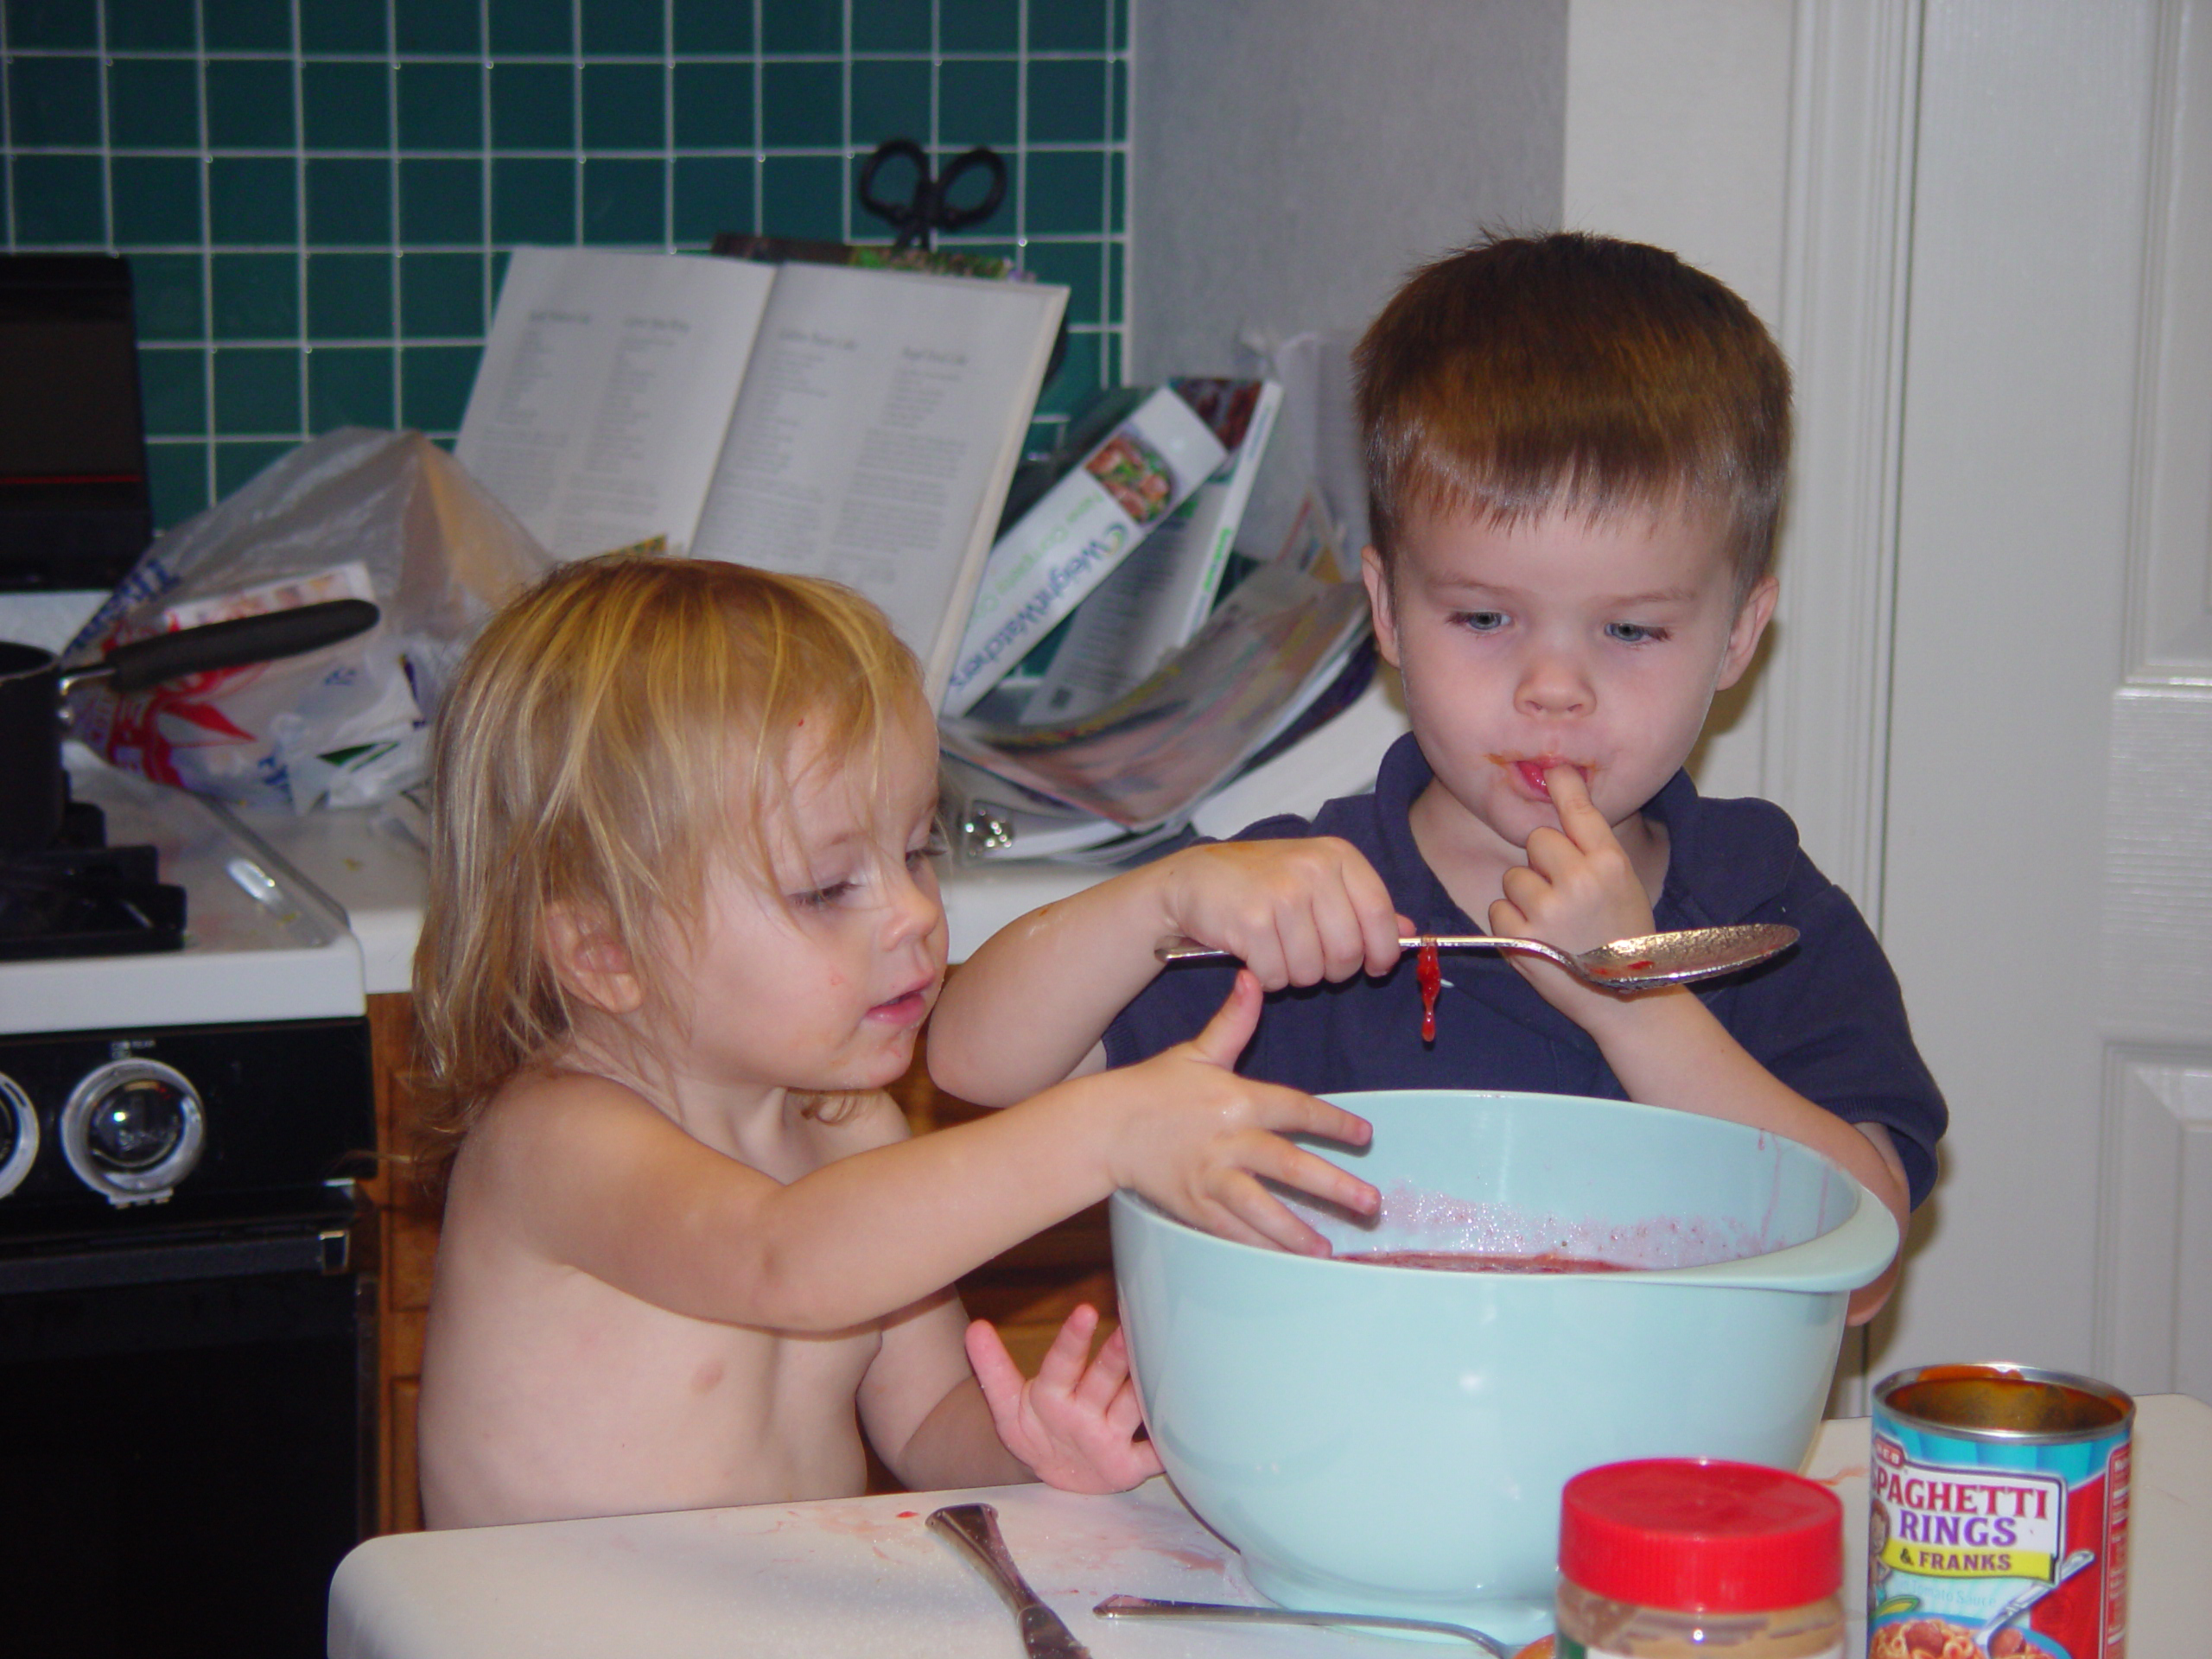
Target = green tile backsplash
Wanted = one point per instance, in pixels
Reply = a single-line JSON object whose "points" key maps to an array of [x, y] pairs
{"points": [[317, 195]]}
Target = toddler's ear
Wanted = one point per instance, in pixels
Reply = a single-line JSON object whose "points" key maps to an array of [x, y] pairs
{"points": [[591, 963]]}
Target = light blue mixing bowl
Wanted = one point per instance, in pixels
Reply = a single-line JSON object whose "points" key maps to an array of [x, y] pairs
{"points": [[1393, 1439]]}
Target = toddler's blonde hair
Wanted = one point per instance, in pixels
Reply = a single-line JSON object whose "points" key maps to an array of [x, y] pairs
{"points": [[613, 733]]}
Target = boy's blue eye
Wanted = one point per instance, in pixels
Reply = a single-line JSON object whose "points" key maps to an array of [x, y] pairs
{"points": [[1634, 633], [821, 898], [1481, 621]]}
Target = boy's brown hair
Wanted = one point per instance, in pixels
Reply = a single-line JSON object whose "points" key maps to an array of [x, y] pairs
{"points": [[1578, 372], [612, 734]]}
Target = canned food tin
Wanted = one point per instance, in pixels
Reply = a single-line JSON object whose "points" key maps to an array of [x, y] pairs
{"points": [[1998, 1515]]}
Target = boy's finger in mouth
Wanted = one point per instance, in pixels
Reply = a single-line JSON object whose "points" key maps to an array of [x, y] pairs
{"points": [[1534, 771]]}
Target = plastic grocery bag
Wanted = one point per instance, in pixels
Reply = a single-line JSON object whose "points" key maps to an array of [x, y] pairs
{"points": [[355, 514]]}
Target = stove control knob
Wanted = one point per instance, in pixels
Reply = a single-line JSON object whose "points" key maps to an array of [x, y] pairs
{"points": [[132, 1130], [18, 1134]]}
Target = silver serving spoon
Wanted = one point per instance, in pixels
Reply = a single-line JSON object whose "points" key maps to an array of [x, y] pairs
{"points": [[973, 1528], [1636, 964], [1144, 1607]]}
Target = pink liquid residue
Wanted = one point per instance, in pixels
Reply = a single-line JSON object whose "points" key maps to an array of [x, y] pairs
{"points": [[1485, 1261], [1421, 1220]]}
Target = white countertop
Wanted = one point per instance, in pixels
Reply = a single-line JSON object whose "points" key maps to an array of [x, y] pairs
{"points": [[372, 866], [862, 1577]]}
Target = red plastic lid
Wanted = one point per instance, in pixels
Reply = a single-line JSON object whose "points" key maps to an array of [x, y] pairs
{"points": [[1698, 1535]]}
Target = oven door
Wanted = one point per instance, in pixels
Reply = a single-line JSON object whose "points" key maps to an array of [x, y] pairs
{"points": [[182, 1427]]}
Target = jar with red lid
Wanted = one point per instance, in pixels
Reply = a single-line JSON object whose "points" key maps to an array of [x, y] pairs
{"points": [[1679, 1557]]}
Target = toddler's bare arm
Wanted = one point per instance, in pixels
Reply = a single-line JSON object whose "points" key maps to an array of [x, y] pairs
{"points": [[620, 1192], [1029, 1008]]}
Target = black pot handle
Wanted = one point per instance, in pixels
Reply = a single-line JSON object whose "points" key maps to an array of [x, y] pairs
{"points": [[226, 644]]}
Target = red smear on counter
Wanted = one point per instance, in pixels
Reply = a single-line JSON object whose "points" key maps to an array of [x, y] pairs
{"points": [[1483, 1261], [1428, 972], [908, 1514]]}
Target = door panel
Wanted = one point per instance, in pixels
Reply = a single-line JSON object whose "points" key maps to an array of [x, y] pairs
{"points": [[2048, 864]]}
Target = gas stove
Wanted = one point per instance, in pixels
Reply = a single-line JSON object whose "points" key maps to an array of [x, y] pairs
{"points": [[180, 1065], [187, 1318], [177, 1065]]}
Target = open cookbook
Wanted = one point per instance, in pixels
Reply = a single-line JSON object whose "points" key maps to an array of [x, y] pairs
{"points": [[856, 424]]}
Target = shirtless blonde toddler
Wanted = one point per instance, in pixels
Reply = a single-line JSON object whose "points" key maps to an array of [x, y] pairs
{"points": [[683, 929]]}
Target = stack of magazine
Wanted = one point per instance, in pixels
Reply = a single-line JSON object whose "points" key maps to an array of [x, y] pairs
{"points": [[1102, 653]]}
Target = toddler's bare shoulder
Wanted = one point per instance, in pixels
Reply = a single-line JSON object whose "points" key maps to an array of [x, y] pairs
{"points": [[545, 1112]]}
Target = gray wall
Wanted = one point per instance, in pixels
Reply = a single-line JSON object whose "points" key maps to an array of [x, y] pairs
{"points": [[1291, 159]]}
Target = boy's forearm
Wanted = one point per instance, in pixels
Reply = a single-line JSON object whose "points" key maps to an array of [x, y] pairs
{"points": [[1022, 1013], [1668, 1050]]}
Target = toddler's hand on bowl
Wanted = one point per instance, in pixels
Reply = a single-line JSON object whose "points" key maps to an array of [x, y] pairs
{"points": [[1198, 1139]]}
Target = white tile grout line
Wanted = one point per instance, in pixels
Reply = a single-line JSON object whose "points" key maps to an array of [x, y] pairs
{"points": [[7, 128], [234, 152], [181, 54], [759, 123], [299, 224], [207, 248], [845, 127], [395, 292], [667, 123], [576, 113], [107, 158], [492, 275], [1109, 374], [1020, 130]]}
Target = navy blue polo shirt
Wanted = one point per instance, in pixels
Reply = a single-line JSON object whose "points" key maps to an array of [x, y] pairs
{"points": [[1826, 1017]]}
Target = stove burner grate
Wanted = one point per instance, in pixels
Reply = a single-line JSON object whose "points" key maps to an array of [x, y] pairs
{"points": [[87, 901]]}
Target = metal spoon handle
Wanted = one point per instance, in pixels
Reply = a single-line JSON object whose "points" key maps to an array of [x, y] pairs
{"points": [[974, 1528], [1144, 1607], [1175, 947], [1641, 964]]}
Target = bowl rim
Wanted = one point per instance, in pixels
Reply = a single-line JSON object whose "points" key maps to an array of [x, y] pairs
{"points": [[1852, 1252]]}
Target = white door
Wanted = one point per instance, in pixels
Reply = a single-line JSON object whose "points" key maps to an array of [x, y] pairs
{"points": [[2046, 889]]}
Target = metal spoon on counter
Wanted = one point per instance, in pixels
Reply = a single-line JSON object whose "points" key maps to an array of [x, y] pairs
{"points": [[1637, 964], [973, 1528], [1144, 1607]]}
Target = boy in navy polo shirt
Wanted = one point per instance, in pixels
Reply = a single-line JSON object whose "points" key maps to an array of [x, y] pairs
{"points": [[1576, 452]]}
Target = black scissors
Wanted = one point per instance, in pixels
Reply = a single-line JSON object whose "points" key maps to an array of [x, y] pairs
{"points": [[930, 209]]}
